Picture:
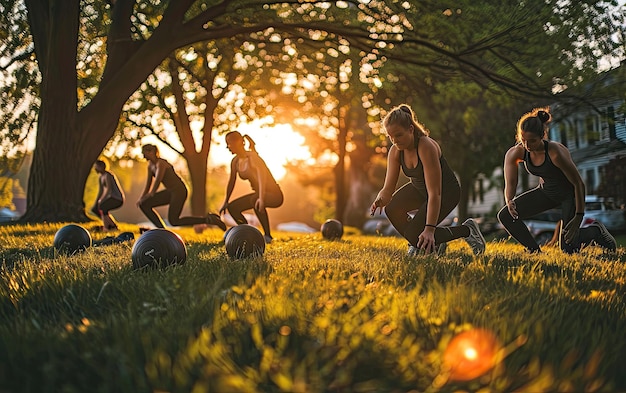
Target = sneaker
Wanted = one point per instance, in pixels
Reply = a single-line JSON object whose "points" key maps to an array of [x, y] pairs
{"points": [[475, 239], [606, 240], [413, 251], [268, 239], [214, 219]]}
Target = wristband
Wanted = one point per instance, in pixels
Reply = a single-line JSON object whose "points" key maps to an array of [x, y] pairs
{"points": [[429, 225], [580, 214]]}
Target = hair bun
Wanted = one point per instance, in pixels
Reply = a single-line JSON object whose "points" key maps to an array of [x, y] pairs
{"points": [[543, 116]]}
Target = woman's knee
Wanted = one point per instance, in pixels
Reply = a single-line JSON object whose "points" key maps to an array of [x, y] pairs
{"points": [[504, 216], [394, 214]]}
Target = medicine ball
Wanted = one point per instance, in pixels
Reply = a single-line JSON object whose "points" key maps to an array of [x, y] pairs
{"points": [[226, 233], [332, 229], [71, 239], [158, 248], [244, 241]]}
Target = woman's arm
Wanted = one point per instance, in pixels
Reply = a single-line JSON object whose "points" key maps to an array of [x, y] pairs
{"points": [[231, 184], [108, 186], [146, 188], [512, 158], [391, 179], [256, 162], [161, 165], [98, 197], [429, 153]]}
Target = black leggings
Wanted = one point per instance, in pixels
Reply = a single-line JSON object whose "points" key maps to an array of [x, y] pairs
{"points": [[247, 202], [176, 199], [408, 198], [534, 202], [104, 207]]}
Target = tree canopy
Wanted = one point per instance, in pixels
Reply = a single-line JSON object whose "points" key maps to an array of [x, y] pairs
{"points": [[84, 59]]}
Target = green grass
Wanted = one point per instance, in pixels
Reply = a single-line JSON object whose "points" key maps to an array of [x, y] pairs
{"points": [[355, 315]]}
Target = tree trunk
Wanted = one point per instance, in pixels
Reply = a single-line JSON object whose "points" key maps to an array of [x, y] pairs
{"points": [[361, 190], [60, 163], [69, 141], [196, 163], [340, 170]]}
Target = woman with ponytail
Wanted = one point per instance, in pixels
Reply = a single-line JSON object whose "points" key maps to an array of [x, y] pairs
{"points": [[250, 166], [433, 189], [560, 186]]}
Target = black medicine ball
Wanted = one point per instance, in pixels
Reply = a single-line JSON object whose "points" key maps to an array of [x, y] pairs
{"points": [[244, 241], [332, 229], [158, 248], [71, 239]]}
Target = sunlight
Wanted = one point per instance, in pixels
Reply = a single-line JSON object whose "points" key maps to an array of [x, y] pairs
{"points": [[277, 145], [470, 354]]}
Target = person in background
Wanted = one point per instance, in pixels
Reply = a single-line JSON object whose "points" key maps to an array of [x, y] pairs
{"points": [[110, 196], [433, 188], [174, 194], [250, 166], [560, 185]]}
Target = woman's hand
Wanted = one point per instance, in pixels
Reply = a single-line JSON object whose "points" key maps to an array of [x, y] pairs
{"points": [[381, 201], [144, 197], [570, 232], [512, 209], [426, 240]]}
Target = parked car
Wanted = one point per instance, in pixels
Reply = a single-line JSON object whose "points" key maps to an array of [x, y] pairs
{"points": [[8, 215], [605, 211], [542, 225], [294, 226]]}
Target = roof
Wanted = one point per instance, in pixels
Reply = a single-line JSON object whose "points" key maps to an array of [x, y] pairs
{"points": [[599, 150]]}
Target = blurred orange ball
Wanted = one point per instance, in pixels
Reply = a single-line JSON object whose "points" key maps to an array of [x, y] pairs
{"points": [[470, 354]]}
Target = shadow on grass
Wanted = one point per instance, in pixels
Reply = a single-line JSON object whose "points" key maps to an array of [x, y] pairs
{"points": [[11, 256]]}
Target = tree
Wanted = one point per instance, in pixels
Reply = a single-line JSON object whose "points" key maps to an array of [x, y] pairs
{"points": [[75, 120], [73, 130], [471, 105]]}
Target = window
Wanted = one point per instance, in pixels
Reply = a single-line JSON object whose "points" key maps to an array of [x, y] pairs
{"points": [[591, 130], [590, 176]]}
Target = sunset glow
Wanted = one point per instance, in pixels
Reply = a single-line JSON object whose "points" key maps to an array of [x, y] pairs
{"points": [[470, 354], [277, 145]]}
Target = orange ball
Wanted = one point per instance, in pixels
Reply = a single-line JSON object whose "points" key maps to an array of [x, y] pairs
{"points": [[470, 354]]}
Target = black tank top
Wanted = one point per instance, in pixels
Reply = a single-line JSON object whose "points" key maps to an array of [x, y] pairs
{"points": [[416, 175], [249, 172], [171, 180], [555, 183]]}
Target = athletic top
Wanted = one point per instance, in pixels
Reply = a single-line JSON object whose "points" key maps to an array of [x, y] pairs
{"points": [[417, 174], [170, 179], [249, 172], [555, 183], [116, 190]]}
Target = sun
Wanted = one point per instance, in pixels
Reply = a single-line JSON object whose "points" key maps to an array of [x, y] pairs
{"points": [[277, 145]]}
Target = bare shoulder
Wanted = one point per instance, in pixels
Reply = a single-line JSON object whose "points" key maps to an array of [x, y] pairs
{"points": [[515, 152], [558, 151], [428, 144]]}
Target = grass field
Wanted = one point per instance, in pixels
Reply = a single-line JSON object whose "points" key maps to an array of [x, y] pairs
{"points": [[311, 315]]}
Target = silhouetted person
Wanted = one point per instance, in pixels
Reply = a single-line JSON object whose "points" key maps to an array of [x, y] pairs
{"points": [[110, 196], [174, 194], [250, 166]]}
